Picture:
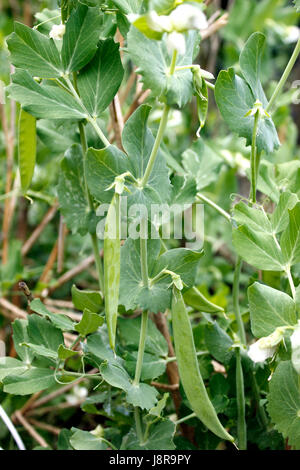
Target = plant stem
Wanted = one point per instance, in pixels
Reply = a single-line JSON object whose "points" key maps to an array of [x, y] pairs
{"points": [[254, 166], [143, 251], [240, 395], [255, 390], [291, 282], [185, 418], [236, 304], [173, 62], [215, 206], [138, 424], [94, 239], [139, 362], [158, 139], [285, 75]]}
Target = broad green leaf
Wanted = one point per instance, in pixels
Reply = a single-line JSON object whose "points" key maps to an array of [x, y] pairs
{"points": [[60, 321], [269, 309], [99, 81], [51, 16], [90, 299], [89, 323], [256, 219], [51, 135], [201, 162], [11, 366], [142, 395], [287, 176], [258, 249], [129, 332], [115, 375], [20, 335], [32, 381], [284, 402], [234, 99], [250, 63], [218, 342], [280, 217], [290, 238], [43, 101], [41, 350], [27, 148], [65, 353], [128, 6], [194, 298], [81, 38], [184, 190], [32, 51], [71, 193], [43, 332], [160, 437], [97, 345], [297, 5], [153, 366], [84, 440], [157, 410], [153, 61], [157, 297], [266, 181]]}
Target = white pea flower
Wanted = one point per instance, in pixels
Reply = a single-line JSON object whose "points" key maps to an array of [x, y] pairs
{"points": [[295, 338], [186, 17], [176, 41], [265, 347], [258, 353], [159, 23], [57, 31]]}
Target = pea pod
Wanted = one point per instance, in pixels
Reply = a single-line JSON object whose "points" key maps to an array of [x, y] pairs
{"points": [[27, 148], [112, 267], [188, 366]]}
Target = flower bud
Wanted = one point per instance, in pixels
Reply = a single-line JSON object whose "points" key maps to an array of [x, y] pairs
{"points": [[159, 23], [57, 31], [176, 41], [295, 342], [186, 17]]}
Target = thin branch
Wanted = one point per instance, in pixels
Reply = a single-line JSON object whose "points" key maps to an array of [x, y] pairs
{"points": [[46, 427], [172, 387], [34, 434], [61, 245], [214, 27], [117, 120], [49, 265], [37, 232]]}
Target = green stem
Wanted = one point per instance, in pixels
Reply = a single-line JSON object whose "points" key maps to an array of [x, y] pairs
{"points": [[185, 418], [173, 62], [143, 334], [138, 424], [94, 239], [254, 166], [255, 390], [285, 76], [143, 251], [240, 395], [215, 206], [236, 303]]}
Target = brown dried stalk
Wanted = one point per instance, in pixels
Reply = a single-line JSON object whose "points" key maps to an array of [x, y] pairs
{"points": [[37, 232], [34, 434]]}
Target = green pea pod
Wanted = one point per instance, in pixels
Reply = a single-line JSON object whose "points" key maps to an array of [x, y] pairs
{"points": [[188, 366], [27, 148], [112, 267]]}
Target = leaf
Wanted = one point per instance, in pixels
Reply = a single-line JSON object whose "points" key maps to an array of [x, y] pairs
{"points": [[250, 63], [195, 298], [84, 440], [284, 402], [280, 217], [161, 404], [256, 219], [100, 80], [33, 51], [234, 100], [27, 148], [142, 395], [11, 366], [153, 61], [129, 331], [60, 321], [50, 133], [115, 375], [81, 38], [71, 192], [43, 101], [65, 353], [266, 182], [258, 249], [297, 5], [269, 309], [153, 366], [98, 346], [42, 332], [201, 162], [89, 323], [32, 381], [128, 6], [218, 342], [202, 105], [160, 437], [89, 299], [290, 238], [157, 296], [20, 336], [41, 350]]}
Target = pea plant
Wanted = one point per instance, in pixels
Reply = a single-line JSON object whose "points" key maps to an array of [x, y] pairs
{"points": [[167, 364]]}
